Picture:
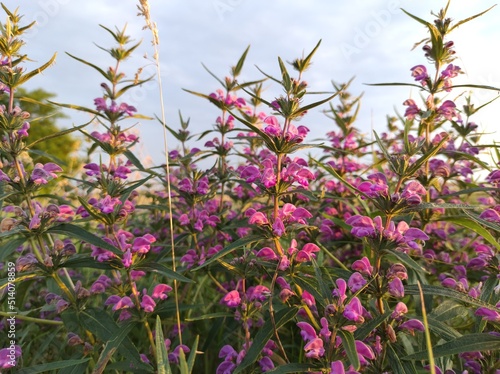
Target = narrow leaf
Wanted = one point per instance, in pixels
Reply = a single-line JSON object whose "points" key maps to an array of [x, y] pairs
{"points": [[230, 248], [111, 346], [474, 226], [350, 348], [162, 269], [161, 350], [44, 368], [412, 289], [82, 234], [467, 343], [265, 333]]}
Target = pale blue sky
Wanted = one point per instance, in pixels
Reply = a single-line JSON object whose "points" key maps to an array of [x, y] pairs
{"points": [[371, 40]]}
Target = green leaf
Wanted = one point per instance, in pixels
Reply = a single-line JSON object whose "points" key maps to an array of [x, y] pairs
{"points": [[237, 69], [442, 329], [162, 269], [105, 328], [82, 234], [161, 350], [78, 107], [293, 368], [230, 248], [192, 355], [265, 333], [111, 347], [395, 84], [103, 73], [78, 261], [57, 134], [314, 105], [26, 77], [9, 247], [350, 348], [366, 328], [474, 226], [412, 289], [395, 363], [469, 18], [467, 343], [415, 166], [406, 260], [44, 368], [491, 225]]}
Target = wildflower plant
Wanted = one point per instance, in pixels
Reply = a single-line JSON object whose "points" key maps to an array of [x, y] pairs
{"points": [[377, 256]]}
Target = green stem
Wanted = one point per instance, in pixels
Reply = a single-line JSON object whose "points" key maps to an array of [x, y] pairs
{"points": [[32, 319]]}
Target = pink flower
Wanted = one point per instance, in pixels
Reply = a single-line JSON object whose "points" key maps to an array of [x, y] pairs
{"points": [[278, 227], [160, 291], [124, 303], [400, 310], [363, 266], [142, 244], [307, 253], [307, 331], [314, 349], [258, 292], [258, 218], [267, 254], [232, 299], [340, 290]]}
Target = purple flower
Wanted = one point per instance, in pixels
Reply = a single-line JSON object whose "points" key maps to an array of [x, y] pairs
{"points": [[127, 258], [9, 356], [4, 177], [107, 205], [490, 215], [448, 110], [399, 310], [278, 227], [356, 282], [228, 353], [353, 311], [148, 304], [340, 290], [361, 226], [488, 314], [266, 364], [364, 350], [411, 325], [396, 288], [412, 109], [258, 292], [123, 303], [226, 367], [363, 266], [325, 332], [419, 72]]}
